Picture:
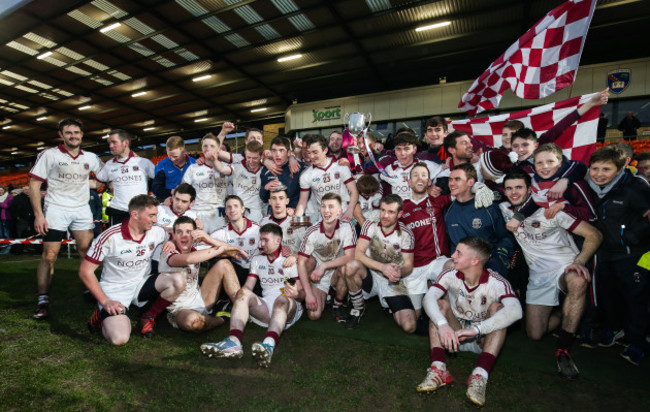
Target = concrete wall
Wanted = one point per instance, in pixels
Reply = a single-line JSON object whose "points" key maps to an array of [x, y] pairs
{"points": [[442, 99]]}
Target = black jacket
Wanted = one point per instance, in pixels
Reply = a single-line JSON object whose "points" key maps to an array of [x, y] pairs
{"points": [[624, 205], [21, 208]]}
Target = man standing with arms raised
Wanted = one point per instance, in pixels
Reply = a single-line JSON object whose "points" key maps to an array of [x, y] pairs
{"points": [[65, 168]]}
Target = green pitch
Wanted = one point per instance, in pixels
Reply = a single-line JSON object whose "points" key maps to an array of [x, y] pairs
{"points": [[317, 366]]}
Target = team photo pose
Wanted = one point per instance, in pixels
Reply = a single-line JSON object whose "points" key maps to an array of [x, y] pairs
{"points": [[65, 168], [277, 309], [555, 265], [383, 256], [470, 308], [328, 246], [125, 252], [191, 310]]}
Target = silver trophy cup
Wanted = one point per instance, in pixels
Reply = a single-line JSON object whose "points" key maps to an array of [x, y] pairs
{"points": [[356, 124]]}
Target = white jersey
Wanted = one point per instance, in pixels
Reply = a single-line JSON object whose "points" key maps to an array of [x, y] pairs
{"points": [[387, 247], [330, 179], [370, 205], [192, 287], [246, 185], [291, 236], [248, 240], [325, 248], [129, 177], [66, 176], [167, 217], [399, 176], [125, 261], [236, 158], [210, 186], [472, 304], [547, 243], [270, 273]]}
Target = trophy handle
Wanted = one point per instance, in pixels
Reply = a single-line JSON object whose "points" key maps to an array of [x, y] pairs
{"points": [[346, 117], [369, 119]]}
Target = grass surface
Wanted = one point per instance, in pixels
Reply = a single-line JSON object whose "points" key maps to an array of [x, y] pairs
{"points": [[318, 366]]}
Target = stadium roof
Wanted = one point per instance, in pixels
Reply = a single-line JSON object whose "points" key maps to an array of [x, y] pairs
{"points": [[138, 65]]}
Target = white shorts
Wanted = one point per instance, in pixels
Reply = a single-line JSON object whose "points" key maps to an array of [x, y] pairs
{"points": [[416, 282], [212, 219], [324, 282], [125, 293], [189, 302], [269, 301], [468, 345], [383, 289], [65, 219], [544, 290], [194, 302]]}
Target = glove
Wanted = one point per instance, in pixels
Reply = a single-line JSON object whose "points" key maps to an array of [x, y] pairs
{"points": [[513, 157], [483, 196]]}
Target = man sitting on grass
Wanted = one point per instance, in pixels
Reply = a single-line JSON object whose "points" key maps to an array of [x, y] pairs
{"points": [[277, 309], [480, 306], [191, 309], [125, 251]]}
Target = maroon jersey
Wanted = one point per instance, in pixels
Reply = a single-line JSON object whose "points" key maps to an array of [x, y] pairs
{"points": [[424, 218]]}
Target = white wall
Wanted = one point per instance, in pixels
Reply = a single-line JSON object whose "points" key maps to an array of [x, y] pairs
{"points": [[443, 98]]}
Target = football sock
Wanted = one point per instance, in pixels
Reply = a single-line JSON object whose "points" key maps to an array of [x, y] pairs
{"points": [[357, 299], [565, 340], [484, 365], [271, 338], [337, 303], [236, 334], [331, 292], [43, 300], [437, 355], [157, 308]]}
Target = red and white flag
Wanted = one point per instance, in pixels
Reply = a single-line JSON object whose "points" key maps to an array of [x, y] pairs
{"points": [[544, 60], [577, 142]]}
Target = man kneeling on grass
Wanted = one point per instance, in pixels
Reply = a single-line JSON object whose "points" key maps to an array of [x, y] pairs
{"points": [[481, 306], [277, 309], [125, 250], [191, 309]]}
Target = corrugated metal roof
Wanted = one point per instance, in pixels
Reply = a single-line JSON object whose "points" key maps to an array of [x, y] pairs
{"points": [[347, 47]]}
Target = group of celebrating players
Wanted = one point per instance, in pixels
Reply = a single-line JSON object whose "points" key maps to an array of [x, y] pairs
{"points": [[303, 226]]}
